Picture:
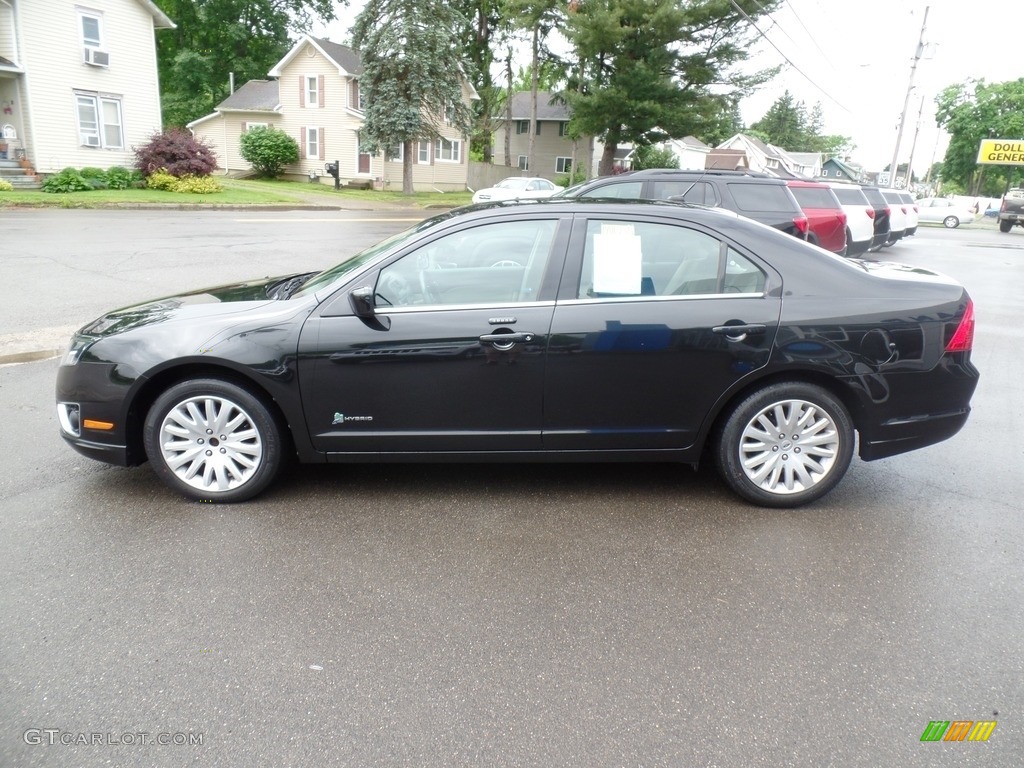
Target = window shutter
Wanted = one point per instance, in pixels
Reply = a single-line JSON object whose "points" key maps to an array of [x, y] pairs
{"points": [[320, 91], [538, 127], [323, 152], [302, 91], [245, 126], [302, 145]]}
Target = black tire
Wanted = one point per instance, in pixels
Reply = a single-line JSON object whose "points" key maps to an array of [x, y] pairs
{"points": [[229, 464], [1005, 226], [771, 468], [951, 222]]}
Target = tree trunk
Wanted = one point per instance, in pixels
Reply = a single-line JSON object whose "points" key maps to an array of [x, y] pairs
{"points": [[531, 165], [607, 165], [508, 109], [407, 149]]}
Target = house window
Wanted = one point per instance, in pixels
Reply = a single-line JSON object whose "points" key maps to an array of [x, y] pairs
{"points": [[91, 33], [448, 150], [313, 142], [523, 163], [563, 164], [423, 153], [522, 126], [312, 91], [395, 153], [99, 121], [355, 95], [250, 126], [563, 128]]}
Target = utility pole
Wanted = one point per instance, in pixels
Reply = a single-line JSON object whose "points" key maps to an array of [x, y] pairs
{"points": [[913, 146], [893, 166]]}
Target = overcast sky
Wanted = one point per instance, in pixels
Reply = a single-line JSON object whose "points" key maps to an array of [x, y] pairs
{"points": [[855, 56]]}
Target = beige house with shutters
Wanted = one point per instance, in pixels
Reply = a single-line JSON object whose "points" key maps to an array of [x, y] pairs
{"points": [[78, 81], [312, 94]]}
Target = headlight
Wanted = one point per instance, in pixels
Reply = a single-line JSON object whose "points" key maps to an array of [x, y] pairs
{"points": [[77, 346]]}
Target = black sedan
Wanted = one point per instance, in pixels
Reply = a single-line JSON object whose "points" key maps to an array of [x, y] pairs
{"points": [[555, 331]]}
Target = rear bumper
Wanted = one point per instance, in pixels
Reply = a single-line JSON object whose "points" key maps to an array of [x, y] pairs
{"points": [[894, 437]]}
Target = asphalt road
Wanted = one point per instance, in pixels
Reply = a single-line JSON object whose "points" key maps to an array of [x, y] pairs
{"points": [[483, 616]]}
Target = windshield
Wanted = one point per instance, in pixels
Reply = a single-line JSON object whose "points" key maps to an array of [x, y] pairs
{"points": [[354, 263], [512, 183]]}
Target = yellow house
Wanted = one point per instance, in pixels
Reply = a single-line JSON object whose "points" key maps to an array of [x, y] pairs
{"points": [[313, 95]]}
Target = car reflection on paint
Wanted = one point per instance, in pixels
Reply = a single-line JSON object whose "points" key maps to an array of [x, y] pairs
{"points": [[562, 330]]}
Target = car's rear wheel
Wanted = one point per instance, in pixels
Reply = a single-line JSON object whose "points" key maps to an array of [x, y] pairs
{"points": [[1005, 226], [785, 445], [212, 440], [951, 222]]}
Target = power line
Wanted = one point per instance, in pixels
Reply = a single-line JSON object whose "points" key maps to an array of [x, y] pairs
{"points": [[784, 56]]}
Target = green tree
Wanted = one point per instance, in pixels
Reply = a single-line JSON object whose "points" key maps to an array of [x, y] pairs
{"points": [[412, 79], [652, 157], [788, 125], [268, 150], [215, 39], [970, 112], [657, 69]]}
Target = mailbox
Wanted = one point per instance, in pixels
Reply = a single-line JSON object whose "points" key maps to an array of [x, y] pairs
{"points": [[331, 169]]}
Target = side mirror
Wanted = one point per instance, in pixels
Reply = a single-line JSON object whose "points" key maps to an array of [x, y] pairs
{"points": [[361, 301]]}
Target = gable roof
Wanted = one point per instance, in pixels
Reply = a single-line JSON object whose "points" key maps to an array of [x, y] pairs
{"points": [[344, 58], [160, 19], [547, 109], [254, 96], [846, 168]]}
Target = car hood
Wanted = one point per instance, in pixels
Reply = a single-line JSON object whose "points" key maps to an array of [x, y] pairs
{"points": [[204, 304]]}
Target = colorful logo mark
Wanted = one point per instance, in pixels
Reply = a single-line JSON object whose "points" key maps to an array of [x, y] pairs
{"points": [[958, 730]]}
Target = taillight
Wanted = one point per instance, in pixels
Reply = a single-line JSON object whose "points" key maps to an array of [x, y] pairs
{"points": [[963, 337], [871, 213], [915, 209], [888, 211], [904, 209], [801, 224], [841, 218], [1002, 205]]}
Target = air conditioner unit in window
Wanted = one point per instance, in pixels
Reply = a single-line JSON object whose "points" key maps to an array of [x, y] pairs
{"points": [[91, 141], [96, 57]]}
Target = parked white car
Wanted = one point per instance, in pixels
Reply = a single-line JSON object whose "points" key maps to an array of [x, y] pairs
{"points": [[516, 188], [860, 217], [942, 210]]}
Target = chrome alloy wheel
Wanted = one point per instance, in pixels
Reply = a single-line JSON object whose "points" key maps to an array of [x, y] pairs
{"points": [[789, 447], [210, 443]]}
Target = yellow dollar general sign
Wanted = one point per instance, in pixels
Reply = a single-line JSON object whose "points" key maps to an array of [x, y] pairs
{"points": [[958, 730], [1001, 152]]}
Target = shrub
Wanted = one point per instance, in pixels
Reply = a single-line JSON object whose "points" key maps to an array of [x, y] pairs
{"points": [[5, 186], [268, 150], [176, 152], [197, 185], [119, 177], [161, 179], [189, 184], [68, 180], [93, 173], [652, 157]]}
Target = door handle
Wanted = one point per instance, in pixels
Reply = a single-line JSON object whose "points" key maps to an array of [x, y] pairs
{"points": [[506, 340], [739, 332]]}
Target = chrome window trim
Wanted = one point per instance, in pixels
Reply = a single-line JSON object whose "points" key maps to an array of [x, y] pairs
{"points": [[385, 310]]}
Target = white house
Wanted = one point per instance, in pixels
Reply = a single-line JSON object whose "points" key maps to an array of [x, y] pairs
{"points": [[78, 81], [313, 95]]}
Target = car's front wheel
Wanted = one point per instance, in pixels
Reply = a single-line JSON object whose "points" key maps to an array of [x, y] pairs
{"points": [[212, 440], [951, 222], [785, 445]]}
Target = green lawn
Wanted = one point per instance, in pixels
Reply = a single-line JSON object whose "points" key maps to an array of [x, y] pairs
{"points": [[235, 192]]}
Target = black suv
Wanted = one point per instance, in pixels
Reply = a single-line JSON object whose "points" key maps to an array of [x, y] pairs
{"points": [[881, 218], [757, 196]]}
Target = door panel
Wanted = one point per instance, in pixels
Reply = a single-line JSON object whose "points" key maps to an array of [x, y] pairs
{"points": [[642, 351]]}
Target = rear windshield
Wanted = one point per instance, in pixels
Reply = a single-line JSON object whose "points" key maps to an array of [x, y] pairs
{"points": [[892, 197], [761, 197], [875, 196], [850, 196], [814, 197]]}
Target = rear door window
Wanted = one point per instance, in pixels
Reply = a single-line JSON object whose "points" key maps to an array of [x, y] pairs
{"points": [[627, 190], [814, 197], [698, 192], [761, 197]]}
